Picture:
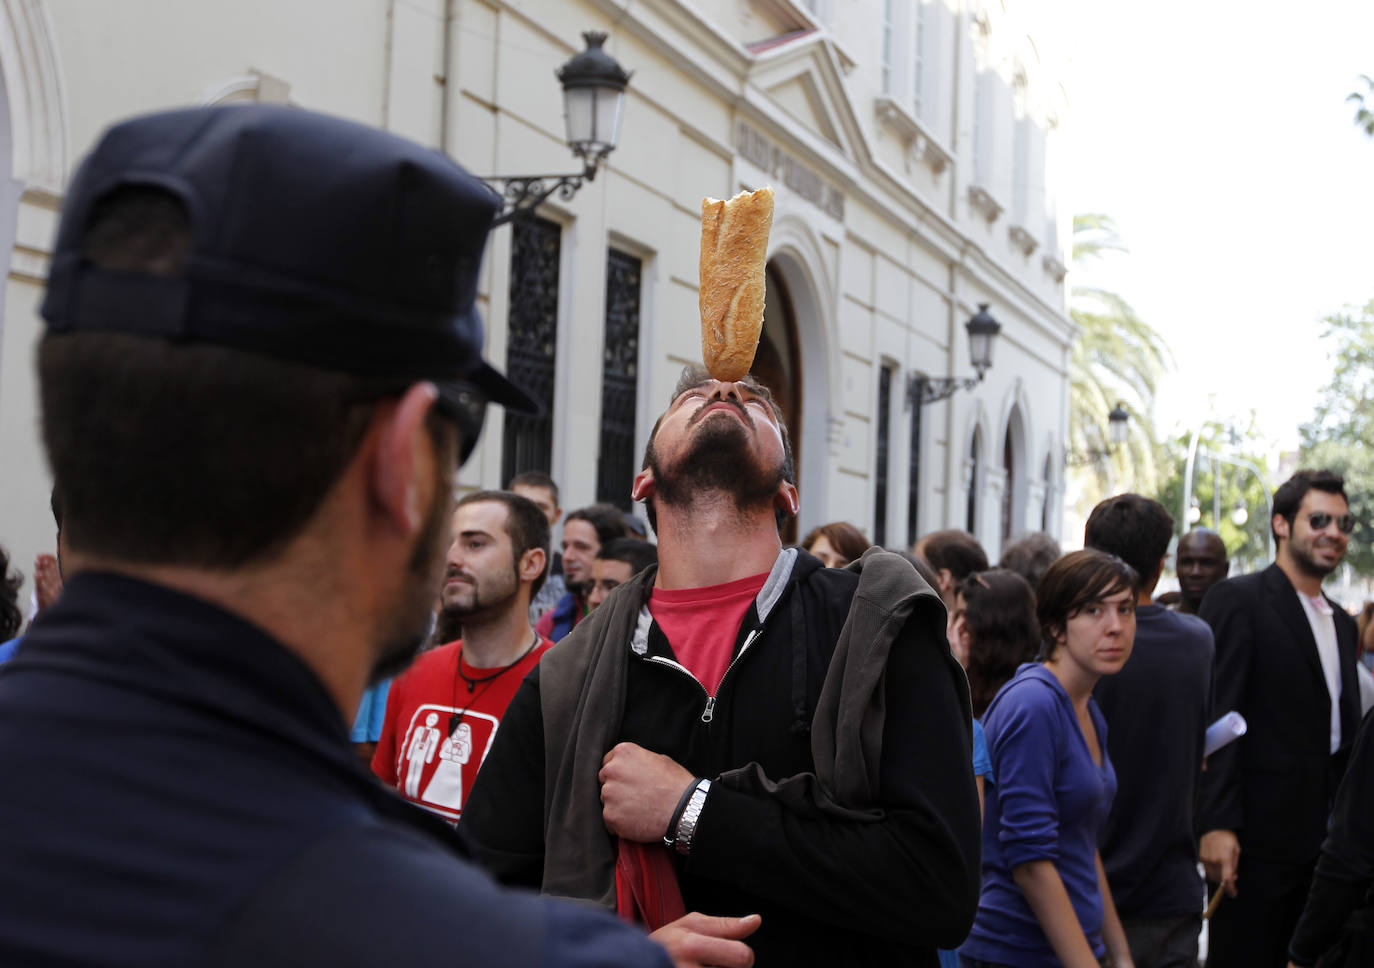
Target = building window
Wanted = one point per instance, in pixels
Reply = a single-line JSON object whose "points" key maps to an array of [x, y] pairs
{"points": [[913, 474], [1021, 168], [615, 467], [536, 246], [1020, 151], [981, 167], [918, 60], [889, 38], [1049, 493], [881, 451], [1009, 489], [975, 456]]}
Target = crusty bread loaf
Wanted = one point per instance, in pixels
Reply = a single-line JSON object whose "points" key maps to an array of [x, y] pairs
{"points": [[734, 249]]}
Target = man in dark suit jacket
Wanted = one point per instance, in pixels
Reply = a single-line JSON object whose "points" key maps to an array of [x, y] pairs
{"points": [[1285, 658]]}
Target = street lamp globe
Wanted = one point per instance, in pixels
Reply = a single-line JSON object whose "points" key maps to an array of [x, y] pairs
{"points": [[1240, 515], [1117, 421], [593, 100], [982, 333]]}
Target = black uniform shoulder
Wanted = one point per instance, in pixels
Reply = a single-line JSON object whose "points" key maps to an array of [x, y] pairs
{"points": [[382, 894]]}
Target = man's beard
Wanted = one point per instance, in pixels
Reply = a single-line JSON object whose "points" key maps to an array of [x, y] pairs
{"points": [[720, 459], [1303, 558], [410, 620], [482, 598]]}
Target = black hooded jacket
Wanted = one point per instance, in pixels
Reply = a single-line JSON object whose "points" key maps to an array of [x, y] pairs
{"points": [[882, 883]]}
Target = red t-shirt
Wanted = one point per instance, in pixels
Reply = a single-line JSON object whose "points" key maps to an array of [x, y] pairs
{"points": [[436, 733], [702, 624]]}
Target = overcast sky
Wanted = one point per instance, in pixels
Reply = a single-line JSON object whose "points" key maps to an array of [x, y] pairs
{"points": [[1216, 134]]}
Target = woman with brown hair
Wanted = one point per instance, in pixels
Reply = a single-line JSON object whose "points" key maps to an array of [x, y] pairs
{"points": [[1044, 899], [836, 544], [993, 631]]}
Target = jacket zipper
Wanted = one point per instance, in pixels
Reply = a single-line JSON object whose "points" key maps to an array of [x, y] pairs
{"points": [[709, 712]]}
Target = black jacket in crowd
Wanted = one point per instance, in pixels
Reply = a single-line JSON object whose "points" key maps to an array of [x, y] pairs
{"points": [[180, 791], [1273, 787], [831, 891], [1340, 907]]}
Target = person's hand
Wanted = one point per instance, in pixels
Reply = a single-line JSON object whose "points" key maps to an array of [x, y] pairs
{"points": [[639, 791], [1219, 851], [47, 580], [698, 940]]}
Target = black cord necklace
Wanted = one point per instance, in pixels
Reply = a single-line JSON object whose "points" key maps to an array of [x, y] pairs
{"points": [[484, 681]]}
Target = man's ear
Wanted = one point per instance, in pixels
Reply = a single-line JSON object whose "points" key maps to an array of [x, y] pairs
{"points": [[946, 580], [401, 470], [532, 564], [787, 499], [644, 485], [1281, 526]]}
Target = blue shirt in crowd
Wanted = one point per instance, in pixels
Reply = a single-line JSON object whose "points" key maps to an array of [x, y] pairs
{"points": [[1048, 801], [982, 766], [367, 725]]}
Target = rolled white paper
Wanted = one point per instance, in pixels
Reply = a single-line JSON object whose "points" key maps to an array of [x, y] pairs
{"points": [[1225, 730]]}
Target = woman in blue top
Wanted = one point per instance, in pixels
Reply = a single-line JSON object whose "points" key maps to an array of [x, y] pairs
{"points": [[1044, 899]]}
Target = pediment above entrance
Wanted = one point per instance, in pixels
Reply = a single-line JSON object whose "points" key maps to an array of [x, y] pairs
{"points": [[801, 75]]}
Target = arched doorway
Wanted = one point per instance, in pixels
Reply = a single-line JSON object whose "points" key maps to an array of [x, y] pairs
{"points": [[1014, 468], [975, 458], [777, 364]]}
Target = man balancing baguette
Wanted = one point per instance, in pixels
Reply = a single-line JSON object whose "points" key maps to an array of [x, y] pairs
{"points": [[763, 734]]}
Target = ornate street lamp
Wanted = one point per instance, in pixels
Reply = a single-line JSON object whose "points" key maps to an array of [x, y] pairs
{"points": [[1118, 422], [593, 102], [982, 335]]}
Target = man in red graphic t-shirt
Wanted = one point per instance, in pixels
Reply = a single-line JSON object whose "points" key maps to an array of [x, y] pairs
{"points": [[443, 712], [777, 741]]}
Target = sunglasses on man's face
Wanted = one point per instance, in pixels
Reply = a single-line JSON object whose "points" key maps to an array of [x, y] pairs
{"points": [[1320, 521]]}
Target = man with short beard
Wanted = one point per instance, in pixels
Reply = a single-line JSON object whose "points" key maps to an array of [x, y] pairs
{"points": [[1285, 659], [496, 562], [743, 725]]}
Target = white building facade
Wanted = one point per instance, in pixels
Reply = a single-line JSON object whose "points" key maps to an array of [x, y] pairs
{"points": [[911, 146]]}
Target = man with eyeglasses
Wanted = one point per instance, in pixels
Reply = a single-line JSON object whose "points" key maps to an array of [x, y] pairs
{"points": [[1285, 659]]}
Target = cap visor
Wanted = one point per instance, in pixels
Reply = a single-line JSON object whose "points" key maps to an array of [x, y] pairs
{"points": [[495, 387]]}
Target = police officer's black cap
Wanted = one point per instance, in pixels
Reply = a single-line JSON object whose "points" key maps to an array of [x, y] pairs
{"points": [[313, 240]]}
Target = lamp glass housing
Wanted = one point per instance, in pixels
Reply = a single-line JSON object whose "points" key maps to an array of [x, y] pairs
{"points": [[1116, 424], [982, 333], [592, 118]]}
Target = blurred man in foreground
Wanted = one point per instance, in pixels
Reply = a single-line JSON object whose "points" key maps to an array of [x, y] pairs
{"points": [[261, 369]]}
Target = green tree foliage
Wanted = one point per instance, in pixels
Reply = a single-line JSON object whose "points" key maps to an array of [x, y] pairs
{"points": [[1118, 357], [1364, 110], [1220, 485], [1340, 436]]}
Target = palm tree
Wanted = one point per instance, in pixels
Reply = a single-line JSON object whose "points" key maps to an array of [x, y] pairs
{"points": [[1364, 113], [1118, 357]]}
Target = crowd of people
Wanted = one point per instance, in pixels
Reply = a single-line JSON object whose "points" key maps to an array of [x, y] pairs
{"points": [[752, 752]]}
